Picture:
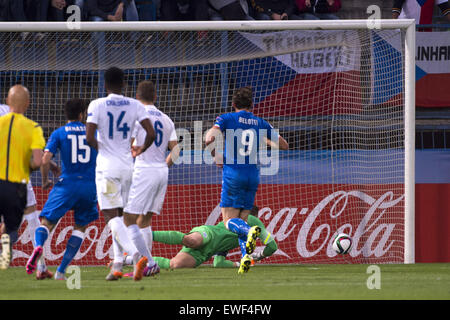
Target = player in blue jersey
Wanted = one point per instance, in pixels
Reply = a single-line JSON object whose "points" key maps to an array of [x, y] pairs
{"points": [[75, 189], [244, 135]]}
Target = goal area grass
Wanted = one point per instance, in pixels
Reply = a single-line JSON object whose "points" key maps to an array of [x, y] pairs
{"points": [[263, 282]]}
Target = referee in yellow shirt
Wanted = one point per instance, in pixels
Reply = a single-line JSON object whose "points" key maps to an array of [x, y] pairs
{"points": [[21, 145]]}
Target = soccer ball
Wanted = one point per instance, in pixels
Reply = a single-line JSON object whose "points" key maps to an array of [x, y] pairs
{"points": [[342, 243]]}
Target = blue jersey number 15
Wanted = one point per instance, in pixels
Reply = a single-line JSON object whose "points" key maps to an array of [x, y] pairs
{"points": [[79, 144]]}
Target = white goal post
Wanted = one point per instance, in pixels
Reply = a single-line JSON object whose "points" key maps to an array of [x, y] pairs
{"points": [[195, 76]]}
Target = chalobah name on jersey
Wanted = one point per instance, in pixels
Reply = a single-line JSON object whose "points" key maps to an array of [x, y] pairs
{"points": [[118, 103]]}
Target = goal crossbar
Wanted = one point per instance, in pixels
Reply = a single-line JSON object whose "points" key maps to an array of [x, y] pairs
{"points": [[203, 25]]}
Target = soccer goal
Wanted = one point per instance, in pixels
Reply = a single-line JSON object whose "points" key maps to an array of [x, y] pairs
{"points": [[340, 92]]}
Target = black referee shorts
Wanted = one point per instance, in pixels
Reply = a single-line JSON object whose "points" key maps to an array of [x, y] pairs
{"points": [[13, 199]]}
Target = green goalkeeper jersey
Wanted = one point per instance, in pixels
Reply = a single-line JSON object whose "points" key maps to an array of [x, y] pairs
{"points": [[218, 238]]}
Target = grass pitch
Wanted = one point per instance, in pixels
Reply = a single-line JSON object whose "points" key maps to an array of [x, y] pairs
{"points": [[310, 282]]}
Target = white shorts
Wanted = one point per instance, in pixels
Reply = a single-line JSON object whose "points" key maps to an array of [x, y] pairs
{"points": [[31, 197], [148, 190], [113, 189]]}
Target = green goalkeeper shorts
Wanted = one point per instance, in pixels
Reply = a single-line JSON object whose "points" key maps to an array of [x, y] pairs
{"points": [[202, 254]]}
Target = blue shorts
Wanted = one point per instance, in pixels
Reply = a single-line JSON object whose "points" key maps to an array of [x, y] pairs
{"points": [[72, 194], [239, 188]]}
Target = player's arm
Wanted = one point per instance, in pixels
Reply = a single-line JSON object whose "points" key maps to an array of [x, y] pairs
{"points": [[45, 169], [54, 168], [91, 139], [279, 143], [91, 125], [48, 164], [36, 159], [282, 143], [209, 139], [38, 143], [149, 137], [173, 147], [211, 135], [174, 153]]}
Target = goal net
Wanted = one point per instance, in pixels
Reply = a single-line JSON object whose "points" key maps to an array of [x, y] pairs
{"points": [[338, 95]]}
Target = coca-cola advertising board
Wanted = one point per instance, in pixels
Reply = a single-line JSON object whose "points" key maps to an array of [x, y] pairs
{"points": [[302, 219]]}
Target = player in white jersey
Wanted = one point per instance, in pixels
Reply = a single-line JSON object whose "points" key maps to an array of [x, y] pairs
{"points": [[114, 118], [31, 214], [147, 195]]}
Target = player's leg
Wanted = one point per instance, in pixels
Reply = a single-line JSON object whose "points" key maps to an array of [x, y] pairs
{"points": [[137, 239], [246, 202], [12, 205], [85, 212], [144, 222], [192, 254], [231, 203], [145, 226], [154, 193], [183, 260], [141, 198], [237, 199], [36, 260], [58, 203], [168, 237], [110, 200], [72, 247], [31, 215], [252, 234], [193, 240], [123, 248]]}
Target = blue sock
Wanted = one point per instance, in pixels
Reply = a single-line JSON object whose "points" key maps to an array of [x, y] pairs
{"points": [[242, 243], [73, 245], [238, 226], [41, 235]]}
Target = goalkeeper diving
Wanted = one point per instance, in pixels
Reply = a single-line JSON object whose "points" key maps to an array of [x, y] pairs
{"points": [[204, 242]]}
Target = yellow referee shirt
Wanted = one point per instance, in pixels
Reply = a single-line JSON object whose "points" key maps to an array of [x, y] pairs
{"points": [[18, 137]]}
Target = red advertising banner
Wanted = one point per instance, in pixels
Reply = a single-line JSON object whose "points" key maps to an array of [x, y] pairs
{"points": [[432, 222], [302, 223]]}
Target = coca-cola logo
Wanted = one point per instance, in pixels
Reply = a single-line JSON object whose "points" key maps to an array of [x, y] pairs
{"points": [[95, 243]]}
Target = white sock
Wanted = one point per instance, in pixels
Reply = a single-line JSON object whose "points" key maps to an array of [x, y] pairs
{"points": [[128, 261], [33, 223], [126, 242], [148, 237], [136, 236], [115, 226]]}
